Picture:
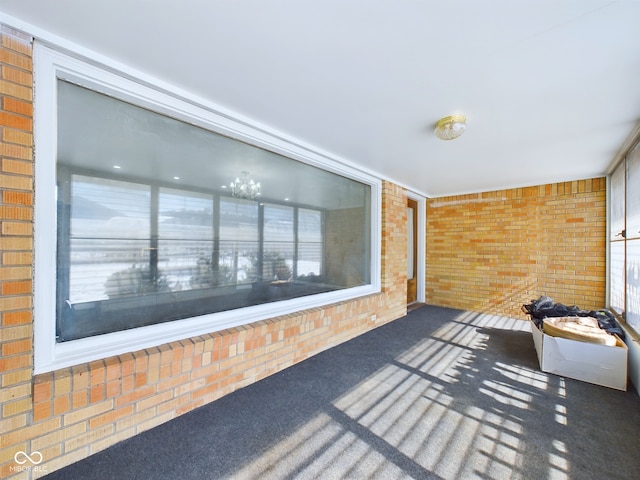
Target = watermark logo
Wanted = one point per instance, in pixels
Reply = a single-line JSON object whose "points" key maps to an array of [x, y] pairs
{"points": [[28, 462], [23, 457]]}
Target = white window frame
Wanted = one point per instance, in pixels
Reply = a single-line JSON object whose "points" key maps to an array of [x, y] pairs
{"points": [[126, 84]]}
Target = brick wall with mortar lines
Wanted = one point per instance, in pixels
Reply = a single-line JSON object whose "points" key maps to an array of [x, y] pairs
{"points": [[495, 251], [394, 232], [71, 413]]}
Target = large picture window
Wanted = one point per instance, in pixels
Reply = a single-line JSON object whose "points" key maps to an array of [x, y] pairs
{"points": [[149, 231]]}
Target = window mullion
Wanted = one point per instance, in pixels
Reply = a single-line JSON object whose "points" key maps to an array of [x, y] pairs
{"points": [[63, 247], [296, 242], [260, 259], [215, 248], [153, 240]]}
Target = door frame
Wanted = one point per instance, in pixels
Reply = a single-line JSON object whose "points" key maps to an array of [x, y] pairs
{"points": [[421, 238]]}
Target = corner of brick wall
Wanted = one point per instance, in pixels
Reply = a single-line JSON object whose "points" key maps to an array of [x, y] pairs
{"points": [[16, 239], [394, 230], [71, 413], [495, 251]]}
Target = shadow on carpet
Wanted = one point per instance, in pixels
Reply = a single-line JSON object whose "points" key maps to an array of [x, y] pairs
{"points": [[438, 394]]}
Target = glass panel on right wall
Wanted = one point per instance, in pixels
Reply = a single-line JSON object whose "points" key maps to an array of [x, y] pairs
{"points": [[633, 240], [617, 245]]}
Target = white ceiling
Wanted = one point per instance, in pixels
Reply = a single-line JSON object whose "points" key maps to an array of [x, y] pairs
{"points": [[550, 87]]}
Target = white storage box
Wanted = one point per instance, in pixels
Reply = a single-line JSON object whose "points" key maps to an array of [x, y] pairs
{"points": [[589, 362]]}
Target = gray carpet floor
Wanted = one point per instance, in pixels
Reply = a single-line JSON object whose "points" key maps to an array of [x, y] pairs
{"points": [[438, 394]]}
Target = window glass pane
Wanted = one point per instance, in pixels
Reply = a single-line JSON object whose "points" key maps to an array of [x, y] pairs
{"points": [[149, 230], [310, 245], [632, 315], [617, 247], [185, 240], [617, 203], [278, 242], [633, 194], [617, 277], [347, 246], [109, 235], [239, 239]]}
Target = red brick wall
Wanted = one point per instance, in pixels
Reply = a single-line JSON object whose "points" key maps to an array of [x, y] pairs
{"points": [[495, 251], [71, 413]]}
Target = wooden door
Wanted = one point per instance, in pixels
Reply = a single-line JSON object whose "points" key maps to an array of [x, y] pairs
{"points": [[412, 251]]}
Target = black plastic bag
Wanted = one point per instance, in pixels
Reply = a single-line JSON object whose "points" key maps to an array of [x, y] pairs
{"points": [[545, 307]]}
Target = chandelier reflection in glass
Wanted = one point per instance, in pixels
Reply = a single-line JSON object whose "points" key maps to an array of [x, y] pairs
{"points": [[244, 187]]}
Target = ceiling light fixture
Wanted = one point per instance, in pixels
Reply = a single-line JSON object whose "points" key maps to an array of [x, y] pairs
{"points": [[244, 187], [451, 127]]}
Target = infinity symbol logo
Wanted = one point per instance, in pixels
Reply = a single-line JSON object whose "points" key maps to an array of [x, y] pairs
{"points": [[22, 458]]}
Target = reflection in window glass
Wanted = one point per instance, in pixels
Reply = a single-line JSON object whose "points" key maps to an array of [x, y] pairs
{"points": [[278, 252], [617, 277], [185, 240], [632, 226], [310, 246], [617, 245], [109, 236], [148, 232], [239, 239], [617, 204], [633, 284]]}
